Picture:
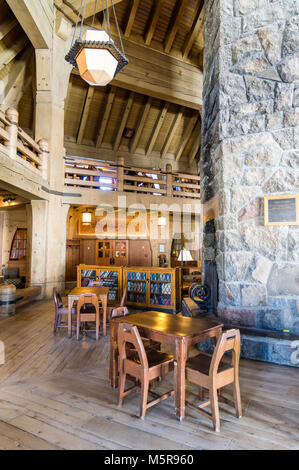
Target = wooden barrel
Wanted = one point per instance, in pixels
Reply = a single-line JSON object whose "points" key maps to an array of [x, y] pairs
{"points": [[8, 297]]}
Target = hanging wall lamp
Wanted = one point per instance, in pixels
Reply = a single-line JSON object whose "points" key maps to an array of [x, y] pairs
{"points": [[94, 53]]}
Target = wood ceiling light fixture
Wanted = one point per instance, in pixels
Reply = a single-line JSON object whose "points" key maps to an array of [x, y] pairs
{"points": [[94, 53]]}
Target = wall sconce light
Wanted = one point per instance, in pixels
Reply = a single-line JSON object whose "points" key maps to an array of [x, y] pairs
{"points": [[86, 218]]}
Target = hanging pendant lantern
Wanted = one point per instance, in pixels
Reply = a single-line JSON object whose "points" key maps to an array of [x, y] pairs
{"points": [[95, 54]]}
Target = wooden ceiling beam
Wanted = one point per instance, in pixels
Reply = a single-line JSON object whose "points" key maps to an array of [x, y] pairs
{"points": [[174, 24], [85, 112], [194, 32], [195, 147], [7, 55], [153, 22], [156, 129], [186, 136], [34, 18], [172, 131], [107, 112], [140, 125], [7, 26], [124, 121], [134, 7], [70, 8]]}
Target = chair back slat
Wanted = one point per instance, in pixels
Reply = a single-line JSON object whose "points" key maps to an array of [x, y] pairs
{"points": [[90, 299], [228, 341], [123, 297], [57, 298], [129, 334]]}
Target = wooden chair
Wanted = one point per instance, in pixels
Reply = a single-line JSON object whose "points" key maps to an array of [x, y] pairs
{"points": [[88, 310], [145, 367], [60, 310], [212, 373], [122, 310]]}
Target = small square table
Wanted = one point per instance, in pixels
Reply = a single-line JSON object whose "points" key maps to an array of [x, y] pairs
{"points": [[74, 294], [176, 330]]}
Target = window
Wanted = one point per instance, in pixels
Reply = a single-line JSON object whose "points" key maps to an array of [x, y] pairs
{"points": [[19, 243]]}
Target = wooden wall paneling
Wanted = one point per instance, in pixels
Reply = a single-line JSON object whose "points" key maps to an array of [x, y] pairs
{"points": [[140, 253], [72, 260], [87, 251]]}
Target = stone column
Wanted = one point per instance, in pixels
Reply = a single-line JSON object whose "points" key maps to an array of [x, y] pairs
{"points": [[250, 148]]}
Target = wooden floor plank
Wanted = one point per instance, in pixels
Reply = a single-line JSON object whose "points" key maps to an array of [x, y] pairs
{"points": [[55, 394]]}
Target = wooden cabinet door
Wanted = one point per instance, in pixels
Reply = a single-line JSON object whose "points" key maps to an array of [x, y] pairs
{"points": [[104, 252], [120, 253]]}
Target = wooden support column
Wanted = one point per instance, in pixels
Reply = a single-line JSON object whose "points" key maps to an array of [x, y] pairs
{"points": [[120, 173], [44, 152], [169, 179], [12, 116]]}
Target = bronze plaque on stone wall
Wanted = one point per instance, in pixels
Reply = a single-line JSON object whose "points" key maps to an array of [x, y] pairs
{"points": [[282, 210]]}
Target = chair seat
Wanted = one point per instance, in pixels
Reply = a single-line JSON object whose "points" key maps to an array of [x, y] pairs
{"points": [[155, 357], [202, 362], [64, 310]]}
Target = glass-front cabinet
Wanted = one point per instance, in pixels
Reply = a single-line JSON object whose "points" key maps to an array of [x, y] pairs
{"points": [[157, 288], [102, 276]]}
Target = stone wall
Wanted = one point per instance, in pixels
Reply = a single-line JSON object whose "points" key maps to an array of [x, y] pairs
{"points": [[250, 148]]}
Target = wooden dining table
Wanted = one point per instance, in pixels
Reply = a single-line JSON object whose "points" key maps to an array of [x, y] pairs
{"points": [[175, 330], [74, 294]]}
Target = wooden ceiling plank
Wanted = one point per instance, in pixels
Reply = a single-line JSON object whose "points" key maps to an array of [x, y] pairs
{"points": [[134, 7], [172, 131], [156, 129], [124, 121], [7, 26], [174, 25], [193, 33], [85, 113], [104, 122], [34, 20], [186, 136], [153, 22], [141, 122], [8, 55], [90, 4]]}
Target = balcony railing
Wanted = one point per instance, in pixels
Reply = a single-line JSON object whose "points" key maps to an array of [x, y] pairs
{"points": [[97, 175], [19, 146]]}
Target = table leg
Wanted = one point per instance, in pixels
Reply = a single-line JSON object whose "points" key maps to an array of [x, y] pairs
{"points": [[104, 299], [181, 357], [69, 316], [113, 373]]}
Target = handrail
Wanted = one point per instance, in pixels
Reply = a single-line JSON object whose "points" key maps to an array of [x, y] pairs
{"points": [[116, 176], [19, 146]]}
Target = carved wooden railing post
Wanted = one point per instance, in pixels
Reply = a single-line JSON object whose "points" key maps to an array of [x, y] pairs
{"points": [[44, 153], [120, 173], [169, 179], [11, 128]]}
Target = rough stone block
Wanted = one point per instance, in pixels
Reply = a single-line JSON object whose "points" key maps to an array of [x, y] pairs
{"points": [[271, 39], [239, 317], [245, 47], [289, 68], [251, 211], [262, 270], [270, 319], [253, 295], [281, 181], [236, 265], [284, 281], [283, 96]]}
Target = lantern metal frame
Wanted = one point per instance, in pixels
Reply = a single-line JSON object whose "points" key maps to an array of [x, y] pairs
{"points": [[79, 44]]}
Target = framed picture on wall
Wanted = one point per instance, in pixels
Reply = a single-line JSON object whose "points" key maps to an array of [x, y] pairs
{"points": [[282, 209]]}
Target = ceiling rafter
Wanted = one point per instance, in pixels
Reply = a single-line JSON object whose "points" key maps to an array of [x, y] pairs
{"points": [[107, 112], [124, 121], [153, 22], [172, 131], [7, 55], [141, 123], [7, 26], [174, 24], [193, 33], [186, 136], [132, 16], [156, 129], [195, 147], [85, 112]]}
